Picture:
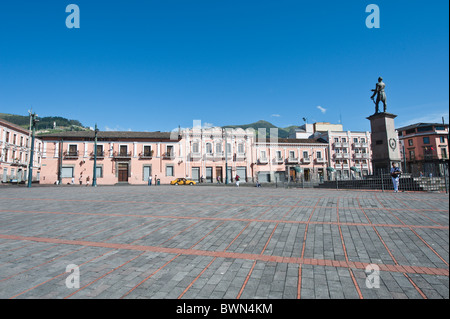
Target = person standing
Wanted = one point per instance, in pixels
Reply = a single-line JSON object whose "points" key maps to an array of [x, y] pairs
{"points": [[395, 174], [237, 180], [87, 181], [149, 180]]}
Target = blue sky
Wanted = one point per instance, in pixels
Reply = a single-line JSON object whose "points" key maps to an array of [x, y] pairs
{"points": [[153, 65]]}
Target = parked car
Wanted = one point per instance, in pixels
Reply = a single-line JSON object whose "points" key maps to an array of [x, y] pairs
{"points": [[182, 181]]}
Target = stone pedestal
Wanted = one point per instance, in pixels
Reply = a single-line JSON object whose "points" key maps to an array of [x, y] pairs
{"points": [[385, 146]]}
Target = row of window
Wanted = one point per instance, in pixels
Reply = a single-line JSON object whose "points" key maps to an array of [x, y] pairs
{"points": [[292, 154], [123, 150], [355, 140], [421, 129], [218, 148], [13, 139], [426, 140], [15, 156]]}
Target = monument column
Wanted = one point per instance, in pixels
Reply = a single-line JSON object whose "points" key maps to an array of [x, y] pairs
{"points": [[385, 149]]}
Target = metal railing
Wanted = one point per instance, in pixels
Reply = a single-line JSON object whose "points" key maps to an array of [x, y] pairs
{"points": [[382, 180]]}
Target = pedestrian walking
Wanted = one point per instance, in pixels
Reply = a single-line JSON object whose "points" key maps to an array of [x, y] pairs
{"points": [[395, 174], [218, 179], [149, 180], [73, 180], [81, 179], [87, 181], [237, 180]]}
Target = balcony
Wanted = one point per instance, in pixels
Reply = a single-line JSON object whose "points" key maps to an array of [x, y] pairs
{"points": [[338, 166], [263, 160], [278, 160], [71, 154], [320, 160], [292, 160], [99, 154], [337, 144], [146, 155], [345, 144], [357, 145], [19, 163], [218, 156], [168, 156], [122, 155], [240, 157], [195, 156], [339, 155], [306, 160]]}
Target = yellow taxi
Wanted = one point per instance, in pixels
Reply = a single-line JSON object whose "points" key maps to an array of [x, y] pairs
{"points": [[182, 181]]}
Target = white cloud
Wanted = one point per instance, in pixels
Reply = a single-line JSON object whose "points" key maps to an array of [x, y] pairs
{"points": [[428, 118], [321, 109], [276, 115], [117, 129], [198, 124]]}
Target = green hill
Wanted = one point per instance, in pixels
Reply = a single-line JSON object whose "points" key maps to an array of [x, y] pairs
{"points": [[282, 132], [44, 123]]}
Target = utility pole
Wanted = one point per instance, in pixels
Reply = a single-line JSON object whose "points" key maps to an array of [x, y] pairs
{"points": [[226, 157], [60, 151], [33, 128], [94, 179]]}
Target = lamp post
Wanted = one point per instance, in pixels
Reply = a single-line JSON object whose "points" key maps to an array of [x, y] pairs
{"points": [[33, 129], [94, 178], [226, 158]]}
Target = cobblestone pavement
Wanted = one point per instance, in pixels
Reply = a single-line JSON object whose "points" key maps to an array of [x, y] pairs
{"points": [[222, 243]]}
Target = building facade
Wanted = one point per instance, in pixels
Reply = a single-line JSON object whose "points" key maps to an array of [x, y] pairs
{"points": [[349, 153], [205, 155], [15, 152], [424, 148], [122, 157], [290, 160], [214, 154]]}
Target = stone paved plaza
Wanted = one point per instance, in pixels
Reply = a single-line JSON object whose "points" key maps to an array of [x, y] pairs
{"points": [[210, 242]]}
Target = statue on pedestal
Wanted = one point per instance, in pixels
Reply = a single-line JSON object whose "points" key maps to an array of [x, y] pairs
{"points": [[381, 95]]}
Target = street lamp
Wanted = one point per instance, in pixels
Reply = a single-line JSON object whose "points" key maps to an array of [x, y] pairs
{"points": [[94, 179], [33, 121], [226, 158]]}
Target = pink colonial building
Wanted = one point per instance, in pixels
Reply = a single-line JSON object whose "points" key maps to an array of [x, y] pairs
{"points": [[212, 151], [349, 153], [122, 157], [15, 145]]}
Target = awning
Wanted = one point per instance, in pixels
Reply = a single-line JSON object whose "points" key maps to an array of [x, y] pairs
{"points": [[331, 169], [298, 169], [355, 169]]}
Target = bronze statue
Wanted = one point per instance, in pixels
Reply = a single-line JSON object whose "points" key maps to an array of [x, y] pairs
{"points": [[381, 95]]}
